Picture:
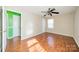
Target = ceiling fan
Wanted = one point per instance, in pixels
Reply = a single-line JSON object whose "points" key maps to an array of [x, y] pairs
{"points": [[50, 12]]}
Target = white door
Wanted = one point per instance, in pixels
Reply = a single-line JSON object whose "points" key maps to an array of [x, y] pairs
{"points": [[4, 29]]}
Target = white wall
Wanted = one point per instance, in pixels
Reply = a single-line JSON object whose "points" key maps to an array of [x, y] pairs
{"points": [[43, 24], [31, 25], [63, 24], [76, 27]]}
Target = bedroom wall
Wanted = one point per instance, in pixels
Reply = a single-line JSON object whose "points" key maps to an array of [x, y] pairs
{"points": [[76, 27], [63, 24], [31, 25]]}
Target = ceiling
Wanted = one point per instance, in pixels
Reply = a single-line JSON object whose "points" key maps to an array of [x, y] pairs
{"points": [[61, 9], [37, 9]]}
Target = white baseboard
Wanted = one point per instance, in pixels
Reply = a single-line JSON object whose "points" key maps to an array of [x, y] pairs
{"points": [[62, 34], [76, 41], [25, 37]]}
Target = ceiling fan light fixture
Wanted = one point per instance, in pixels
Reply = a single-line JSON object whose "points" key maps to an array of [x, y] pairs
{"points": [[50, 12]]}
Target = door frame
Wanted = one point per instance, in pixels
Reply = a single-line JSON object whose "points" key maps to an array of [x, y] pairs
{"points": [[1, 30], [15, 13], [4, 27]]}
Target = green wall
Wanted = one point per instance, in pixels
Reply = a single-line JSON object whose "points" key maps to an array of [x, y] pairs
{"points": [[10, 26]]}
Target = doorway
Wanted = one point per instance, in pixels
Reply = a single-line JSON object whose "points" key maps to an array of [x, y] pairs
{"points": [[13, 25], [13, 29]]}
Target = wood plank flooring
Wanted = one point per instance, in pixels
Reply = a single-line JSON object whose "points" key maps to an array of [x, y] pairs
{"points": [[45, 42]]}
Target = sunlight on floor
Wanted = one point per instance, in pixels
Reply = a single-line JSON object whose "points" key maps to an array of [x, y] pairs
{"points": [[34, 46], [31, 42], [50, 41]]}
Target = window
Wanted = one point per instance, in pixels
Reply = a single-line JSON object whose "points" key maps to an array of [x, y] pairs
{"points": [[50, 23]]}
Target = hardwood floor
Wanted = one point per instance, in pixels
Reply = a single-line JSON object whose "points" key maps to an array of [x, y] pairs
{"points": [[45, 42]]}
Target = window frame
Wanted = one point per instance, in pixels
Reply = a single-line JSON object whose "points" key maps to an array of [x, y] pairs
{"points": [[50, 23]]}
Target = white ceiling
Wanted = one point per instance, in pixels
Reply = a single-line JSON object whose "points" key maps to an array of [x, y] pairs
{"points": [[37, 9], [61, 9]]}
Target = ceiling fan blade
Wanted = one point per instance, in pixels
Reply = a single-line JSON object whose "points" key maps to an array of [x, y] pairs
{"points": [[52, 9], [55, 12], [44, 11], [44, 15], [50, 14], [49, 8]]}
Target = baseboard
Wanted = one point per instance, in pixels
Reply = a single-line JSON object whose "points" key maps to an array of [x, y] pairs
{"points": [[61, 34], [76, 42], [23, 38], [68, 36]]}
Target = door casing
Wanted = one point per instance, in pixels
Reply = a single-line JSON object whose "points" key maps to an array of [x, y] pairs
{"points": [[10, 25]]}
